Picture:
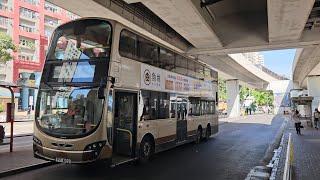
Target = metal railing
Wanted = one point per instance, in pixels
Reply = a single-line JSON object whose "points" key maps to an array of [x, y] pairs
{"points": [[287, 173], [52, 8], [4, 22], [33, 2], [27, 28], [273, 74], [129, 132]]}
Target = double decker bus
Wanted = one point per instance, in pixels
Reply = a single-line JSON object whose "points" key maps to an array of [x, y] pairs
{"points": [[110, 93]]}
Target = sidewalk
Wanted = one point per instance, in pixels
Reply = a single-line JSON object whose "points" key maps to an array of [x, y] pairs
{"points": [[18, 116], [306, 152], [19, 161], [249, 118], [19, 128]]}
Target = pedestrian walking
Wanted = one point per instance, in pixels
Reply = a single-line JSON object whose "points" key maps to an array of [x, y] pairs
{"points": [[297, 123], [316, 116]]}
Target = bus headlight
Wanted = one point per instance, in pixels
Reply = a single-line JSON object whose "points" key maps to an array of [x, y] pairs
{"points": [[37, 141], [93, 150]]}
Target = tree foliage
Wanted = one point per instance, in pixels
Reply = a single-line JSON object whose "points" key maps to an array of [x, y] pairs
{"points": [[222, 91], [7, 47], [262, 98]]}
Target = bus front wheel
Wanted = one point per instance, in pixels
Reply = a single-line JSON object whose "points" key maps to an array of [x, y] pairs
{"points": [[146, 150]]}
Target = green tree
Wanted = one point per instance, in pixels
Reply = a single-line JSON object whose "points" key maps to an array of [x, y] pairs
{"points": [[222, 91], [244, 92], [263, 97], [7, 47]]}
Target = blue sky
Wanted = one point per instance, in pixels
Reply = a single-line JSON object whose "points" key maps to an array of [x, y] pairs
{"points": [[279, 61]]}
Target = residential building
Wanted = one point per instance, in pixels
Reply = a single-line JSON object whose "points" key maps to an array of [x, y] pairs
{"points": [[30, 23], [255, 57]]}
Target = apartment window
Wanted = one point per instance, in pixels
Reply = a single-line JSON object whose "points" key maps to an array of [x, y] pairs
{"points": [[4, 21], [4, 5], [50, 7], [33, 2], [27, 43], [27, 28], [47, 33], [25, 57], [51, 21], [28, 13], [72, 16]]}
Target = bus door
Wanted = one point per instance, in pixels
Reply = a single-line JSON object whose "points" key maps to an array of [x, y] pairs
{"points": [[181, 119], [125, 123]]}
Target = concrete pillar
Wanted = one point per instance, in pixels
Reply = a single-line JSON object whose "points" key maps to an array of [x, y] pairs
{"points": [[313, 84], [233, 98]]}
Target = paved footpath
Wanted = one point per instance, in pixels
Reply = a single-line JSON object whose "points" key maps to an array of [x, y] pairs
{"points": [[20, 159], [306, 152], [240, 146]]}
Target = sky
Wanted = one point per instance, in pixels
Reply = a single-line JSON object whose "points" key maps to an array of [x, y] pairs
{"points": [[279, 61]]}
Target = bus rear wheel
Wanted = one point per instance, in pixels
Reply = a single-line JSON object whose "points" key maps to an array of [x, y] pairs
{"points": [[146, 150], [208, 132]]}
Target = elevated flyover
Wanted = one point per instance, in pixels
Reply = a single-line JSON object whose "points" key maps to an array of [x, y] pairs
{"points": [[195, 35], [214, 30]]}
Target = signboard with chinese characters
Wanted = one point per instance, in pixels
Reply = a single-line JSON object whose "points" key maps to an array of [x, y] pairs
{"points": [[151, 78], [157, 79]]}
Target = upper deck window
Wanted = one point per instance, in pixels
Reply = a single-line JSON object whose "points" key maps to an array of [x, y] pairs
{"points": [[83, 39], [79, 52]]}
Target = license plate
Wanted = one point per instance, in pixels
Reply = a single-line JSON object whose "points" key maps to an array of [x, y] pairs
{"points": [[63, 160]]}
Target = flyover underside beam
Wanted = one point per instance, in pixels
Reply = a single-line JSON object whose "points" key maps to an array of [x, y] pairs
{"points": [[188, 19], [314, 91], [227, 65], [304, 63], [307, 40], [287, 19]]}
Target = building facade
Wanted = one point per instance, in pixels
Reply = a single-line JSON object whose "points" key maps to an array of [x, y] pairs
{"points": [[30, 23], [255, 57]]}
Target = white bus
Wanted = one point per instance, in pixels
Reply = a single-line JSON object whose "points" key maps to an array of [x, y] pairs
{"points": [[109, 93]]}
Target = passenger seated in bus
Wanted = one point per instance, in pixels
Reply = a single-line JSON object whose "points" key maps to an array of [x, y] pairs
{"points": [[61, 47], [190, 111], [92, 112]]}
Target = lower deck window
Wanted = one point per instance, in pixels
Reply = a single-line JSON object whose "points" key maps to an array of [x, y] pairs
{"points": [[155, 105]]}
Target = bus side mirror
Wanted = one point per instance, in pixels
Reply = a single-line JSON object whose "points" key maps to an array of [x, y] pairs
{"points": [[101, 92]]}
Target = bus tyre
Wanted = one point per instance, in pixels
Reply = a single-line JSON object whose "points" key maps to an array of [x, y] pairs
{"points": [[208, 132], [146, 150], [199, 136]]}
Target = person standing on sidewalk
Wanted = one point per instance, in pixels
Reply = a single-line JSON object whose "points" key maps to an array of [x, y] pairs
{"points": [[296, 118], [316, 116]]}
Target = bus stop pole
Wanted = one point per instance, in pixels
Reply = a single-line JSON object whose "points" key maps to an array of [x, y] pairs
{"points": [[11, 118]]}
